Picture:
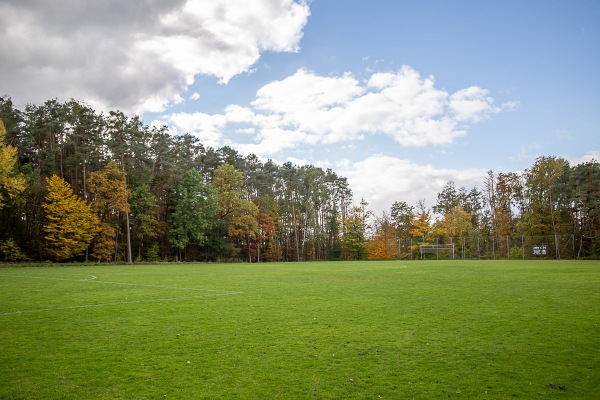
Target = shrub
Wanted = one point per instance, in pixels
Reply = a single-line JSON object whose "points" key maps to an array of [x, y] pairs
{"points": [[152, 253], [11, 251]]}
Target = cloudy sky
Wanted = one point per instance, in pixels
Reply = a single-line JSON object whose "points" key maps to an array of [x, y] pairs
{"points": [[399, 96]]}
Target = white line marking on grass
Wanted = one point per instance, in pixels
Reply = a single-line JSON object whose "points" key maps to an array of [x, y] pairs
{"points": [[93, 279], [89, 278], [163, 287], [226, 293]]}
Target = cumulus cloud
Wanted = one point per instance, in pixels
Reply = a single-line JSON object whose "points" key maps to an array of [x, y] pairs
{"points": [[208, 128], [472, 104], [306, 108], [136, 55], [590, 156], [382, 180]]}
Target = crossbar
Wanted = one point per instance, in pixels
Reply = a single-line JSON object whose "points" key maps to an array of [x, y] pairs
{"points": [[436, 248]]}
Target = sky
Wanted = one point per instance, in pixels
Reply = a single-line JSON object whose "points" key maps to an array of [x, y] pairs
{"points": [[398, 96]]}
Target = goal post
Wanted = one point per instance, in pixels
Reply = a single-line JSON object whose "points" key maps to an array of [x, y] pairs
{"points": [[440, 250]]}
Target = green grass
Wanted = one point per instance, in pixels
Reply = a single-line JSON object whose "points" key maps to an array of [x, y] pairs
{"points": [[343, 330]]}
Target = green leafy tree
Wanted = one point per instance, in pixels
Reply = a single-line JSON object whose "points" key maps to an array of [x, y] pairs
{"points": [[354, 232], [144, 211], [354, 235], [402, 216], [70, 223], [542, 184], [194, 208], [579, 192]]}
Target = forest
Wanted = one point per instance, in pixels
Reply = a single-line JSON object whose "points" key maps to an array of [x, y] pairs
{"points": [[80, 185]]}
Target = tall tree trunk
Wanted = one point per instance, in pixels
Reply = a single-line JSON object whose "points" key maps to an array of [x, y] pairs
{"points": [[128, 235], [249, 249], [258, 246], [127, 229], [556, 249], [295, 228]]}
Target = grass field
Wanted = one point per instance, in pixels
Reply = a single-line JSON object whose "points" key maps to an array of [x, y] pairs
{"points": [[340, 330]]}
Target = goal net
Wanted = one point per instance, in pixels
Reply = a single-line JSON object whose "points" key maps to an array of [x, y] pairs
{"points": [[437, 251]]}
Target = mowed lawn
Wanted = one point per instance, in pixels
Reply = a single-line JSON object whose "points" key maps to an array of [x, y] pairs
{"points": [[330, 330]]}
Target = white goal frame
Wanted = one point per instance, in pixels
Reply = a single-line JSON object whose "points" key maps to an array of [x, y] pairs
{"points": [[437, 249]]}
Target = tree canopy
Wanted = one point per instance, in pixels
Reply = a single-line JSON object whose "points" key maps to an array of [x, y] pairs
{"points": [[73, 179]]}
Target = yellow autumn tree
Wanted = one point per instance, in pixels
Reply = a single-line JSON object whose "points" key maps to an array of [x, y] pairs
{"points": [[12, 183], [422, 230], [457, 224], [70, 223]]}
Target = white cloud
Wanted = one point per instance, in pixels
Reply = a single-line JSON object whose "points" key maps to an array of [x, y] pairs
{"points": [[239, 114], [308, 109], [120, 55], [587, 157], [472, 104], [403, 105], [382, 180], [306, 92], [208, 128], [273, 141]]}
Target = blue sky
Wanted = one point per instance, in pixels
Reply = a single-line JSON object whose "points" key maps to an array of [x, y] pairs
{"points": [[398, 96]]}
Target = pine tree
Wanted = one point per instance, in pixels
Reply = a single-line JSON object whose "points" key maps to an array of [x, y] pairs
{"points": [[70, 223]]}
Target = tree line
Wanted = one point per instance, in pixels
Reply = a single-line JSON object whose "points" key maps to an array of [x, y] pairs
{"points": [[76, 184], [551, 206]]}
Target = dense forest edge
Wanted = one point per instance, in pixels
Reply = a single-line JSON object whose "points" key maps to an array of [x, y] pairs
{"points": [[79, 185]]}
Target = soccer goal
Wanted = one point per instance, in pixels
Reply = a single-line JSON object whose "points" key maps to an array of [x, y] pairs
{"points": [[441, 251]]}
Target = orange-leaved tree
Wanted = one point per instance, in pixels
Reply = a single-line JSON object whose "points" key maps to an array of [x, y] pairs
{"points": [[110, 195], [383, 244], [70, 223]]}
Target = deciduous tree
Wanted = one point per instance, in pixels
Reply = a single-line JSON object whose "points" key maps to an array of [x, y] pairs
{"points": [[542, 183], [236, 212], [70, 223], [12, 182], [110, 195], [194, 209], [354, 228], [383, 245]]}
